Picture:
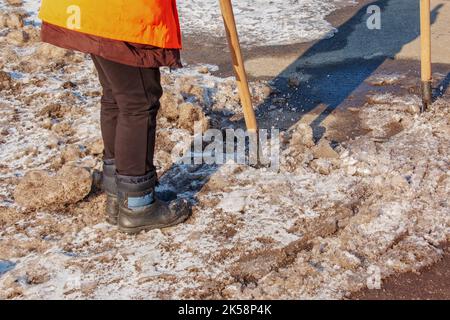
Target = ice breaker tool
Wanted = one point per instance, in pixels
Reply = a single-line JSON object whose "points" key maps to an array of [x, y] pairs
{"points": [[238, 65], [425, 40]]}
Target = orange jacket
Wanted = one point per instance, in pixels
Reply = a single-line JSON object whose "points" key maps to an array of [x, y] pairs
{"points": [[152, 22]]}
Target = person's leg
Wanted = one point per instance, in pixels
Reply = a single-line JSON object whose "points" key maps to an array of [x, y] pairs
{"points": [[136, 132], [109, 112], [108, 122], [137, 92]]}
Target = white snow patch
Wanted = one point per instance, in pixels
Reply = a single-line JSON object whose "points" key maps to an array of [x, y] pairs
{"points": [[263, 22]]}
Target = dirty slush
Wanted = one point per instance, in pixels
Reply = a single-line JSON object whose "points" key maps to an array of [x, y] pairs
{"points": [[332, 220]]}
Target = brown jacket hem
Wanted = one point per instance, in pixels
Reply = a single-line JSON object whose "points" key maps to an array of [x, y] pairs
{"points": [[132, 54]]}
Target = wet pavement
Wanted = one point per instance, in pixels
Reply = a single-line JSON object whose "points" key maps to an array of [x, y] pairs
{"points": [[430, 284], [6, 266]]}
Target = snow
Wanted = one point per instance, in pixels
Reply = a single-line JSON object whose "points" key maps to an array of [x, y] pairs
{"points": [[263, 22]]}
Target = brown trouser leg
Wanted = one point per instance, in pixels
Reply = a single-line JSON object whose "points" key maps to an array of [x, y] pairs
{"points": [[130, 104]]}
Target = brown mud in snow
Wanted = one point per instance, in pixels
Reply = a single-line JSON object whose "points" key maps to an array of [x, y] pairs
{"points": [[431, 283], [360, 195]]}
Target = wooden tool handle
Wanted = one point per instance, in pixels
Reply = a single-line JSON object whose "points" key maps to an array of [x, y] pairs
{"points": [[425, 41], [238, 64]]}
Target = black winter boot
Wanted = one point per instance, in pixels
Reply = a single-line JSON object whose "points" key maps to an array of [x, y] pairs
{"points": [[110, 188], [140, 210]]}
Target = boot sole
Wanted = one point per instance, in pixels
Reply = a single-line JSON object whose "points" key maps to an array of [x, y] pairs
{"points": [[137, 230]]}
